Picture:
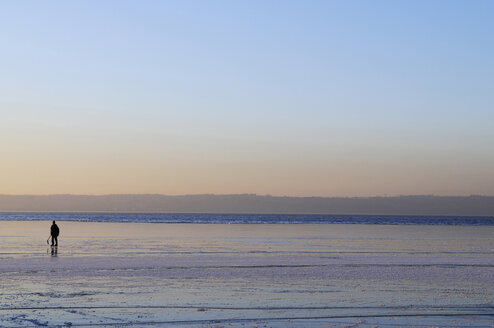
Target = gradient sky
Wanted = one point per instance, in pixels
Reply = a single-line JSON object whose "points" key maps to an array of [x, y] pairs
{"points": [[300, 98]]}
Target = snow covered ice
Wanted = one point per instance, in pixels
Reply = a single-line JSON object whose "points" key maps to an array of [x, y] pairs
{"points": [[194, 275]]}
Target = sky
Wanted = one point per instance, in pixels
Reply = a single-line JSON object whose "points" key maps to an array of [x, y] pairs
{"points": [[297, 98]]}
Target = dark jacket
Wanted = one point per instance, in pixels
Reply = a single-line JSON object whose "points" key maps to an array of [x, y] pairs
{"points": [[54, 230]]}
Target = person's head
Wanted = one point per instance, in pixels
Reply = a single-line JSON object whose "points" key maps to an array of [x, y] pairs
{"points": [[53, 221]]}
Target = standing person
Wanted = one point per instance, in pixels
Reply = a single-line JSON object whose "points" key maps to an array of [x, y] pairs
{"points": [[54, 231]]}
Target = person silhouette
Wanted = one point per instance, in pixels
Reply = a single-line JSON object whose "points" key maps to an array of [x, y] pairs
{"points": [[54, 232]]}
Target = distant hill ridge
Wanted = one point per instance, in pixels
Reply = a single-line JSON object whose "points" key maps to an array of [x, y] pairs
{"points": [[252, 203]]}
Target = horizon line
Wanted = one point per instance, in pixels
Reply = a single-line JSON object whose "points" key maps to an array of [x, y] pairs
{"points": [[243, 194]]}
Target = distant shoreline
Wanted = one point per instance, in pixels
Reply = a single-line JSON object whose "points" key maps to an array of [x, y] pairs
{"points": [[237, 213], [251, 204]]}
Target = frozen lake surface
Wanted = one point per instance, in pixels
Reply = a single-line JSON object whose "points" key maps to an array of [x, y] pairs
{"points": [[246, 275]]}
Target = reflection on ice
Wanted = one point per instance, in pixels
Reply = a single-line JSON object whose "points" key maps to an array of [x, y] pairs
{"points": [[53, 250]]}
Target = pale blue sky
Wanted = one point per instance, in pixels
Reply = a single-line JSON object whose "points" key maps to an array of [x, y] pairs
{"points": [[283, 97]]}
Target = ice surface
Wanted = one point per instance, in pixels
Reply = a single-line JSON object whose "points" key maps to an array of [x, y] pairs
{"points": [[196, 275]]}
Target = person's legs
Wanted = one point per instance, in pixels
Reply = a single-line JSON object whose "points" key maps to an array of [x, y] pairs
{"points": [[56, 240], [52, 240]]}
